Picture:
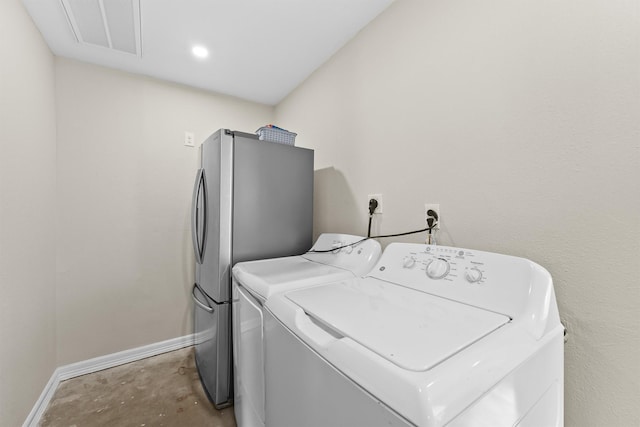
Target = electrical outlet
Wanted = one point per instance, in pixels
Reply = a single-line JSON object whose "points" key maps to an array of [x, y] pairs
{"points": [[433, 207], [378, 198], [189, 139]]}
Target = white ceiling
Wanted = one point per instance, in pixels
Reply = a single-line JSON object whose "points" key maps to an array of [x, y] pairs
{"points": [[260, 50]]}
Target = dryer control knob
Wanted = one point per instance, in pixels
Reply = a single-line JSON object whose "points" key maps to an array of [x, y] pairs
{"points": [[438, 268], [408, 262], [336, 247], [348, 249], [473, 275]]}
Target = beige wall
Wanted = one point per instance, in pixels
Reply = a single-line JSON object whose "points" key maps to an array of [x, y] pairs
{"points": [[125, 265], [522, 119], [27, 214]]}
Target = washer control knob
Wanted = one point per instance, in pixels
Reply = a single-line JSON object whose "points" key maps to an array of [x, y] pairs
{"points": [[438, 268], [336, 247], [408, 262], [473, 275], [348, 249]]}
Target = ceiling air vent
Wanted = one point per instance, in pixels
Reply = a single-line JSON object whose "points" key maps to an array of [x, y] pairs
{"points": [[114, 24]]}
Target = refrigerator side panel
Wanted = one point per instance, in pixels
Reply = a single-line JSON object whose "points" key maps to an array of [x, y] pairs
{"points": [[273, 200]]}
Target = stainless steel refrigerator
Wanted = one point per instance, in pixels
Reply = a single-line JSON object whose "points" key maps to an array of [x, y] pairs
{"points": [[252, 199]]}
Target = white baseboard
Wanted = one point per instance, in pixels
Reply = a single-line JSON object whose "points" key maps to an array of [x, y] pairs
{"points": [[33, 419], [96, 364]]}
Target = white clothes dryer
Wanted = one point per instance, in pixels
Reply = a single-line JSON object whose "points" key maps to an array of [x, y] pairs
{"points": [[254, 282], [432, 336]]}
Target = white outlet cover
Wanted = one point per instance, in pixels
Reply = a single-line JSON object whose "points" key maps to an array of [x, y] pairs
{"points": [[189, 139]]}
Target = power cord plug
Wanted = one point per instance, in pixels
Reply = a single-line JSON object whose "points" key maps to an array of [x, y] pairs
{"points": [[373, 204], [432, 222], [433, 216]]}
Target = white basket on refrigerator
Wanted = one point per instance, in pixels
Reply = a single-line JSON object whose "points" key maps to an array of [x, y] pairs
{"points": [[274, 134]]}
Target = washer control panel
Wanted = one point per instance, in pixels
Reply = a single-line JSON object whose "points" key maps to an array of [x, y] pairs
{"points": [[444, 263], [496, 282]]}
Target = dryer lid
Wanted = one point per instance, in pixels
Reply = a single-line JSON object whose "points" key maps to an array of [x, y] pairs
{"points": [[413, 330], [269, 276]]}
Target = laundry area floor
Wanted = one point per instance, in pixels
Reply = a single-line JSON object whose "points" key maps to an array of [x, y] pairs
{"points": [[163, 390]]}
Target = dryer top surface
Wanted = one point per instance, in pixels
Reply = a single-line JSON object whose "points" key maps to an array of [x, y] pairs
{"points": [[331, 262], [270, 276]]}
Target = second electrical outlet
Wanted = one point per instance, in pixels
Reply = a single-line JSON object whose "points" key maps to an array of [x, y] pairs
{"points": [[434, 207], [378, 198]]}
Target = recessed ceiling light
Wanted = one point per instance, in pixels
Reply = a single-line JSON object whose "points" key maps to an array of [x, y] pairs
{"points": [[200, 52]]}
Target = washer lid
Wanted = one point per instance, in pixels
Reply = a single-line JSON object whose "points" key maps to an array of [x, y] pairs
{"points": [[269, 276], [411, 329]]}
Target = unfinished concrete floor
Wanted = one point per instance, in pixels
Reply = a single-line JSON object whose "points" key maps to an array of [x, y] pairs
{"points": [[164, 390]]}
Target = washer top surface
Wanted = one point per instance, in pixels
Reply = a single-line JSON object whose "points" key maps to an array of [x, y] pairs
{"points": [[413, 330], [265, 278]]}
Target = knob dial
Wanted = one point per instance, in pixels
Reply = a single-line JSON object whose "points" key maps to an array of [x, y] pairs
{"points": [[348, 249], [336, 247], [473, 275], [438, 268], [408, 262]]}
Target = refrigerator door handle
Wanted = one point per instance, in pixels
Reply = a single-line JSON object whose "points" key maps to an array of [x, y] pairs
{"points": [[199, 228], [206, 307]]}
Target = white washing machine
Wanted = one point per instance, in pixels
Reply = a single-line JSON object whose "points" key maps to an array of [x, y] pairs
{"points": [[432, 336], [255, 282]]}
